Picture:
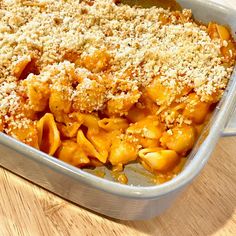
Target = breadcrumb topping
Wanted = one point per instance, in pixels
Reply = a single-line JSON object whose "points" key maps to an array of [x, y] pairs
{"points": [[136, 47]]}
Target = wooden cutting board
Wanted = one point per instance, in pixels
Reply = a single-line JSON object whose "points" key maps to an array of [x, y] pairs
{"points": [[207, 207]]}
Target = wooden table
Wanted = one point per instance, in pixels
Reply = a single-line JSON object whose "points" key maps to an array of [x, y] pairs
{"points": [[206, 208]]}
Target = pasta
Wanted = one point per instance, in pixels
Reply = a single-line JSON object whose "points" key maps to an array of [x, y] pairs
{"points": [[48, 134], [93, 83], [180, 139], [110, 124], [194, 109], [164, 96], [20, 65], [122, 152], [159, 159], [71, 153], [37, 93]]}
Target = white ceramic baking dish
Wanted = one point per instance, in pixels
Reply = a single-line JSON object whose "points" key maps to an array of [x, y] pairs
{"points": [[141, 199]]}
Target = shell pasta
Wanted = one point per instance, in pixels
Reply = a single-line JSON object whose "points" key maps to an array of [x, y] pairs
{"points": [[96, 83]]}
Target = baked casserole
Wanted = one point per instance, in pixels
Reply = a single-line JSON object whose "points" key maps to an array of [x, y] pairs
{"points": [[96, 83]]}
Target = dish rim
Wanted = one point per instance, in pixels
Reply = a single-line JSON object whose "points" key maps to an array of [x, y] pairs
{"points": [[219, 120]]}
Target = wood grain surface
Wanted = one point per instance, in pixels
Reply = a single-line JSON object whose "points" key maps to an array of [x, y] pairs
{"points": [[207, 207]]}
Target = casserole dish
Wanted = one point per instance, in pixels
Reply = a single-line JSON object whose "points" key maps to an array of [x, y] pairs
{"points": [[116, 200]]}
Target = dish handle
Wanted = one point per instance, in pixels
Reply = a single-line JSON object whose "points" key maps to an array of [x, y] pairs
{"points": [[230, 129]]}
